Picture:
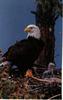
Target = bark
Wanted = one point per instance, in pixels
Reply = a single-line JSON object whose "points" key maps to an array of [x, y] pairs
{"points": [[45, 20]]}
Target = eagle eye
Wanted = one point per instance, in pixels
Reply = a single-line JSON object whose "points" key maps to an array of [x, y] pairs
{"points": [[31, 27]]}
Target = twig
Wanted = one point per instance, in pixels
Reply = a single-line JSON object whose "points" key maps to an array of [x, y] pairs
{"points": [[48, 81], [41, 80], [54, 96]]}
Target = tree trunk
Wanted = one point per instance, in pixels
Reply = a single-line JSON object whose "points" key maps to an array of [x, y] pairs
{"points": [[46, 23]]}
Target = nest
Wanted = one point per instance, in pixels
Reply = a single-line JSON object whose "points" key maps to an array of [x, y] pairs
{"points": [[26, 88]]}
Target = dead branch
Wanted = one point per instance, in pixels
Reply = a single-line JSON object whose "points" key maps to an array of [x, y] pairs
{"points": [[47, 80], [54, 96], [41, 80]]}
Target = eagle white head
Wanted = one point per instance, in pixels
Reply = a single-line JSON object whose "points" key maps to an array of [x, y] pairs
{"points": [[33, 31]]}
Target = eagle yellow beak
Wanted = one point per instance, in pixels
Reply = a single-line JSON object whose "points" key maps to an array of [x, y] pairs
{"points": [[27, 30]]}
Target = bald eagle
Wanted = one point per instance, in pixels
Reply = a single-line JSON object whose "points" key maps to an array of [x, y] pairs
{"points": [[25, 52]]}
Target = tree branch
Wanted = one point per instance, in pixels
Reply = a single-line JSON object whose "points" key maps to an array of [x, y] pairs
{"points": [[54, 96], [56, 17], [34, 12], [57, 80]]}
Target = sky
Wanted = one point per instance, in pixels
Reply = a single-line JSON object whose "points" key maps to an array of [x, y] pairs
{"points": [[58, 42], [14, 16]]}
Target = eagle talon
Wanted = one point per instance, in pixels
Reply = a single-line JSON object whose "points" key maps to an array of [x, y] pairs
{"points": [[29, 73]]}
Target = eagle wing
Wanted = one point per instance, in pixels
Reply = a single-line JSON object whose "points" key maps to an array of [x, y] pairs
{"points": [[24, 52]]}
